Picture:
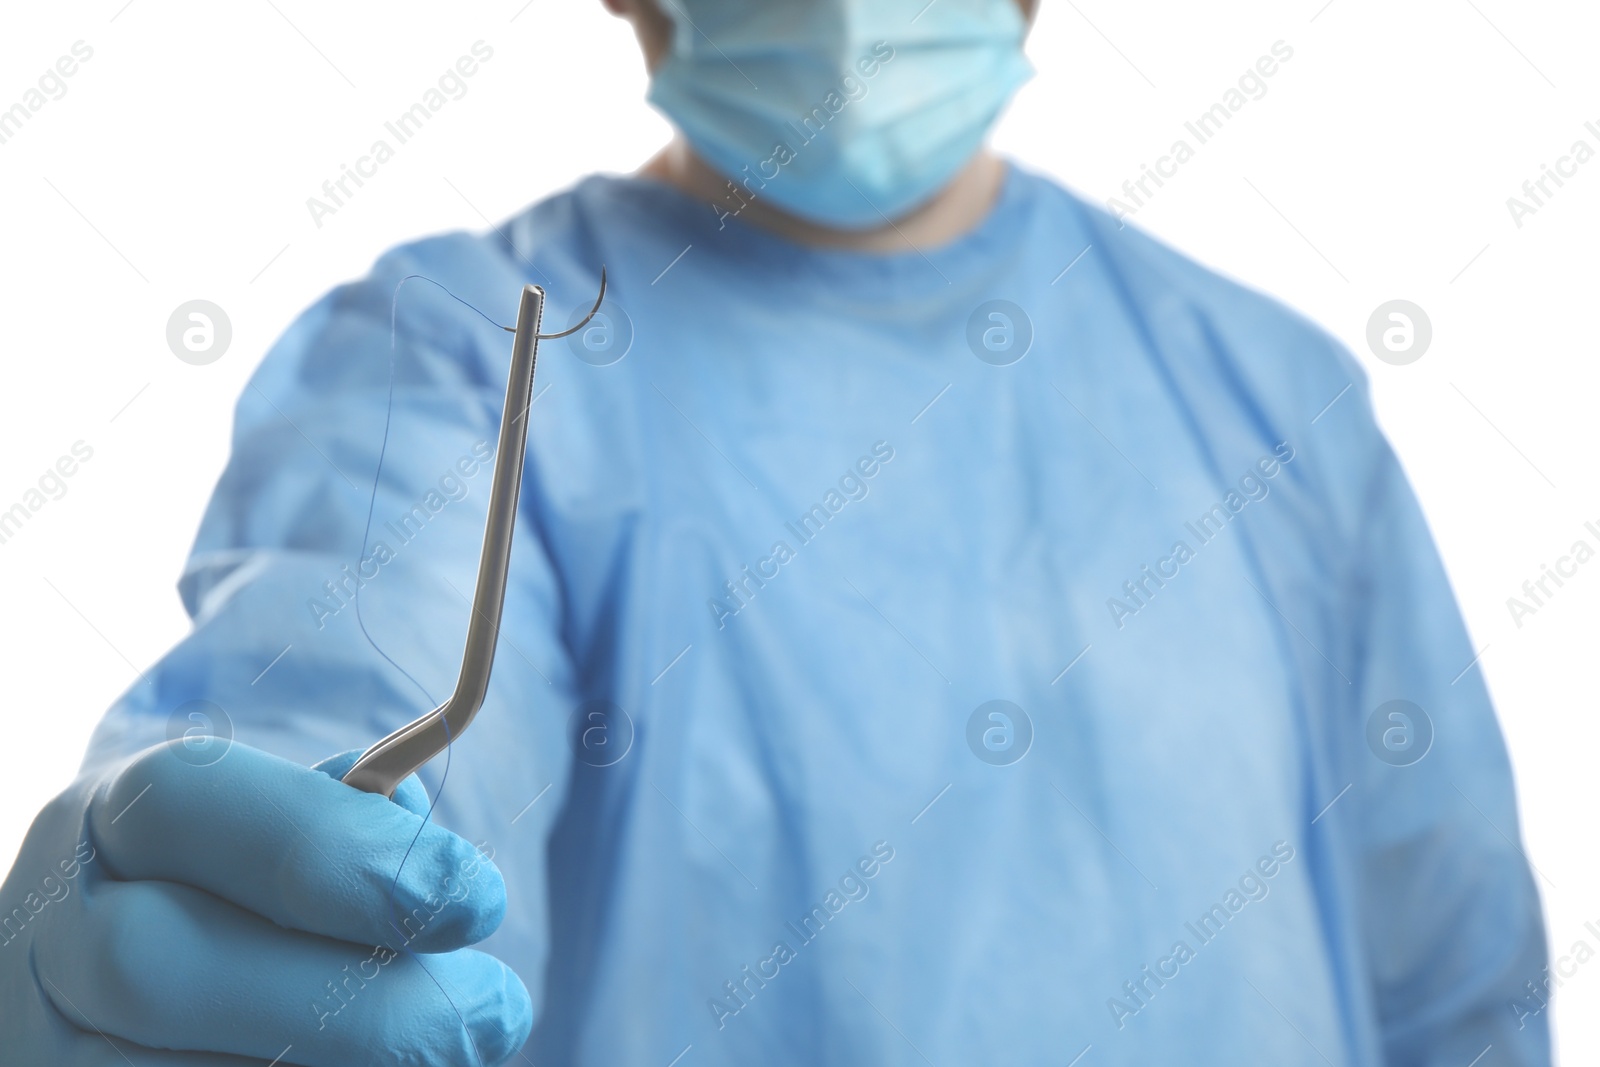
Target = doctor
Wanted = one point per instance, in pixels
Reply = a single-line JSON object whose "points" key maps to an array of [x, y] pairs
{"points": [[946, 627]]}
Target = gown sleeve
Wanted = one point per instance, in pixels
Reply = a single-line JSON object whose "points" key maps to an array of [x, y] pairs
{"points": [[1449, 908]]}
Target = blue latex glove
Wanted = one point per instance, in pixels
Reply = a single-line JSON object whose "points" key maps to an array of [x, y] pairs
{"points": [[232, 909]]}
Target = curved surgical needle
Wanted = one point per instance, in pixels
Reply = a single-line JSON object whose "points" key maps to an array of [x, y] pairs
{"points": [[386, 764]]}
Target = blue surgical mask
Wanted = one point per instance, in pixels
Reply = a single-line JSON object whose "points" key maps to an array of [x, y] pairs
{"points": [[843, 112]]}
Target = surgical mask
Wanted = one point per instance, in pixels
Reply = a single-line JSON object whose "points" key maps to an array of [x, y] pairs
{"points": [[843, 112]]}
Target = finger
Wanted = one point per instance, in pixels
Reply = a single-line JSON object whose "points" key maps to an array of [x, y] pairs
{"points": [[295, 846], [139, 1056], [98, 1050], [167, 966], [409, 794], [53, 1037]]}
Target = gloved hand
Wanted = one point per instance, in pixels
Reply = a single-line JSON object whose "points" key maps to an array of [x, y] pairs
{"points": [[232, 910]]}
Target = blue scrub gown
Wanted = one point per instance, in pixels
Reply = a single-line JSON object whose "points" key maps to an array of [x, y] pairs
{"points": [[946, 657]]}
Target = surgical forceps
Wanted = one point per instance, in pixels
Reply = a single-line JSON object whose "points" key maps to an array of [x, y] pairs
{"points": [[386, 764]]}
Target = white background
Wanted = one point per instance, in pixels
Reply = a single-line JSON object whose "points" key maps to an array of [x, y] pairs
{"points": [[1378, 166]]}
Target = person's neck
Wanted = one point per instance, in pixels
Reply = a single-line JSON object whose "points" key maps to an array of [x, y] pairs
{"points": [[955, 210]]}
